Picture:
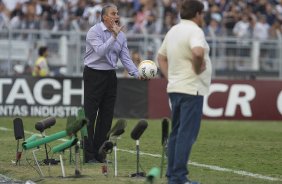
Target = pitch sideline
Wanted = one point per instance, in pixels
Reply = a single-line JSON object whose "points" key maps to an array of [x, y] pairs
{"points": [[211, 167]]}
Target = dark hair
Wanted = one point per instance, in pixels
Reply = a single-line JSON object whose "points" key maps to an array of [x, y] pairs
{"points": [[105, 9], [42, 50], [189, 8]]}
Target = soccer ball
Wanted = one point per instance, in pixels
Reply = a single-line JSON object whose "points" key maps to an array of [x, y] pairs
{"points": [[147, 69]]}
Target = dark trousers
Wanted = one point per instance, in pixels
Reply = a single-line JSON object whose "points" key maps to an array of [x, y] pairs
{"points": [[100, 89], [186, 119]]}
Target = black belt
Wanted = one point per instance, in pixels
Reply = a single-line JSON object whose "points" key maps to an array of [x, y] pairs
{"points": [[95, 70]]}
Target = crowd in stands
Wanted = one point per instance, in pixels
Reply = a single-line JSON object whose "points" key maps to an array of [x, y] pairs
{"points": [[259, 19]]}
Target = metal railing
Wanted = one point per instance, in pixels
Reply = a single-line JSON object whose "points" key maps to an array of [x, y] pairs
{"points": [[231, 57]]}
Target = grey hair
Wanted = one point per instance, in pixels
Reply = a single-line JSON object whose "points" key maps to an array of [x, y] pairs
{"points": [[105, 9]]}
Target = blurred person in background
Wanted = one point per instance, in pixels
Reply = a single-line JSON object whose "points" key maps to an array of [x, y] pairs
{"points": [[169, 21], [261, 29], [92, 12], [214, 28], [4, 16], [230, 18], [184, 61], [242, 27], [41, 68]]}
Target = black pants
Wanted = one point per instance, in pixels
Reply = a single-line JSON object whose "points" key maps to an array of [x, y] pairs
{"points": [[100, 89]]}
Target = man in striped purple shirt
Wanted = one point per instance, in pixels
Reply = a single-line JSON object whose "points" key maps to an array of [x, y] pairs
{"points": [[105, 44]]}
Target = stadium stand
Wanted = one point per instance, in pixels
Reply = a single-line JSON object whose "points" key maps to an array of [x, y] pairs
{"points": [[243, 34]]}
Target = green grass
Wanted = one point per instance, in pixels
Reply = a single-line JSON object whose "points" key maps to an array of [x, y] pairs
{"points": [[254, 147]]}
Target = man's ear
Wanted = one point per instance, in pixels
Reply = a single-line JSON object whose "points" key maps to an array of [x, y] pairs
{"points": [[105, 17]]}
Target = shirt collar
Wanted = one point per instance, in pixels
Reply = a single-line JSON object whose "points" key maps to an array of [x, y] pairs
{"points": [[104, 28], [185, 21]]}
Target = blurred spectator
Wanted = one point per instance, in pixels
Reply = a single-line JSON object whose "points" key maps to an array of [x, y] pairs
{"points": [[261, 29], [78, 18], [31, 20], [169, 21], [4, 16], [279, 10], [242, 27], [270, 14], [213, 14], [230, 18], [275, 29], [213, 29], [41, 68], [16, 17], [139, 16], [92, 13]]}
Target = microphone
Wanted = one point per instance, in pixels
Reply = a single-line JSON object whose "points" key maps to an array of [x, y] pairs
{"points": [[73, 127], [19, 134], [118, 128], [136, 134], [41, 126], [165, 129], [118, 132], [115, 131], [18, 128], [106, 148], [45, 123], [165, 132], [139, 129]]}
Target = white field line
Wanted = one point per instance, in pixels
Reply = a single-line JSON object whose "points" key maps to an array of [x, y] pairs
{"points": [[211, 167]]}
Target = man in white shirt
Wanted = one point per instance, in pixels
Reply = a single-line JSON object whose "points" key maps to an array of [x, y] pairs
{"points": [[184, 60]]}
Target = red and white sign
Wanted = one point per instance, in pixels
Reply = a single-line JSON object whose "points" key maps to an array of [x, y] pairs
{"points": [[229, 99]]}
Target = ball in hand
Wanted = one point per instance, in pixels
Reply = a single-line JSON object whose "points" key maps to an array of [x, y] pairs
{"points": [[147, 69]]}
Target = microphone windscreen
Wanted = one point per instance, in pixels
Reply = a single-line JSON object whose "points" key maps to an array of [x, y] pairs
{"points": [[39, 126], [79, 124], [106, 148], [139, 129], [45, 123], [165, 130], [18, 128], [118, 132], [118, 128], [48, 122]]}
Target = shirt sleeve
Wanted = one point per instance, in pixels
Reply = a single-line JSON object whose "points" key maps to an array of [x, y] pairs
{"points": [[95, 39], [162, 49], [198, 39], [127, 61]]}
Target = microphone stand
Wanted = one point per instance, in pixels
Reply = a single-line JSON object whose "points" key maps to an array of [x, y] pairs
{"points": [[48, 161], [164, 155], [114, 140], [138, 174], [19, 134], [19, 153], [77, 156]]}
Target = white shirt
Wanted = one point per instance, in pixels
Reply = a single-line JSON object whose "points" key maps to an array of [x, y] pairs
{"points": [[177, 47], [261, 31], [241, 29]]}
